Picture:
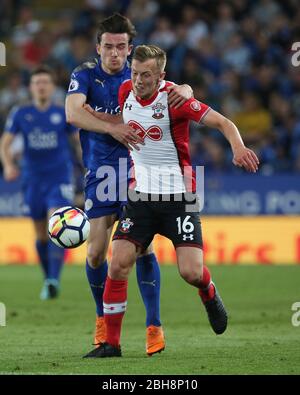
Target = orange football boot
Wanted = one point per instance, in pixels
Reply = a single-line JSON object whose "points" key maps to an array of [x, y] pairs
{"points": [[155, 340], [100, 332]]}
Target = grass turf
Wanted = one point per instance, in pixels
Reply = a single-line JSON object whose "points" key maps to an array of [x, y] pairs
{"points": [[51, 337]]}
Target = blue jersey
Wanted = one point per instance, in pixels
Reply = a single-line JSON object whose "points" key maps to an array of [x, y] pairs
{"points": [[45, 135], [101, 90]]}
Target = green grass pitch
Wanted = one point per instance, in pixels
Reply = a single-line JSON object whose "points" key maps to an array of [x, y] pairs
{"points": [[51, 337]]}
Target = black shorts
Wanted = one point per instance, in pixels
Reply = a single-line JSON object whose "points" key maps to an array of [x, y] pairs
{"points": [[141, 220]]}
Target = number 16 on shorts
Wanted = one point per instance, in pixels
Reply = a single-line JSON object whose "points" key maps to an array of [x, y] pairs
{"points": [[184, 225]]}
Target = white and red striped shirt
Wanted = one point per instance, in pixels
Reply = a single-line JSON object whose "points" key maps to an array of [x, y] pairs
{"points": [[163, 164]]}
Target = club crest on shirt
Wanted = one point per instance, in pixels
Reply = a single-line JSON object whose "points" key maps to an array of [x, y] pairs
{"points": [[158, 111], [125, 225], [55, 118], [195, 105]]}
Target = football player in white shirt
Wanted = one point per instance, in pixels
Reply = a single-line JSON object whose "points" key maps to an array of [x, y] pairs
{"points": [[162, 186]]}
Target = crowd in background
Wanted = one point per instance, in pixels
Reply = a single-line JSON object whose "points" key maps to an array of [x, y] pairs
{"points": [[235, 54]]}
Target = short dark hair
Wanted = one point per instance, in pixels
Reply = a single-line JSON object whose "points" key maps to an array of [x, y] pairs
{"points": [[116, 23], [43, 69]]}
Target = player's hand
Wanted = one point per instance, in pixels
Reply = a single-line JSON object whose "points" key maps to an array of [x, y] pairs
{"points": [[126, 135], [245, 157], [179, 94], [10, 172]]}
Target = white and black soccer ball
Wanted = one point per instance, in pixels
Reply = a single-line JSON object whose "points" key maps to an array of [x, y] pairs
{"points": [[68, 227]]}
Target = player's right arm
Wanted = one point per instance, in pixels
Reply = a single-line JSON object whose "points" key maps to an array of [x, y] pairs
{"points": [[82, 119], [112, 118], [10, 170]]}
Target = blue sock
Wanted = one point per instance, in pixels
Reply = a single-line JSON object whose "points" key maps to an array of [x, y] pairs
{"points": [[148, 278], [56, 260], [42, 250], [96, 278]]}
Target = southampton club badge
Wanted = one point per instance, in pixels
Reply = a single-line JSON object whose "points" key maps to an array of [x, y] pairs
{"points": [[158, 111], [125, 225]]}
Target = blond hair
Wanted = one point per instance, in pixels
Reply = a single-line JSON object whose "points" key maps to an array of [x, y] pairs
{"points": [[145, 52]]}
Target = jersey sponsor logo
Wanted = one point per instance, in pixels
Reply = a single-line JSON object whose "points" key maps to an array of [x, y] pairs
{"points": [[154, 132], [126, 225], [158, 111], [107, 110], [74, 85], [195, 105], [100, 82], [39, 140], [56, 118]]}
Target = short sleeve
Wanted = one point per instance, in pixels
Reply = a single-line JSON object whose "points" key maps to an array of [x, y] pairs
{"points": [[124, 91], [79, 83], [12, 124], [193, 110]]}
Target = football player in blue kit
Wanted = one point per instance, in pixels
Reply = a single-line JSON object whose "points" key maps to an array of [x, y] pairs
{"points": [[47, 167], [105, 147]]}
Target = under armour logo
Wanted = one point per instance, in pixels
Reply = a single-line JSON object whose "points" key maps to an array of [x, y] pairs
{"points": [[128, 106], [154, 132], [149, 282], [187, 237]]}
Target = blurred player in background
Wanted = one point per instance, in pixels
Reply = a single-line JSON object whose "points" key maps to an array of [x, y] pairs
{"points": [[165, 131], [103, 144], [47, 167]]}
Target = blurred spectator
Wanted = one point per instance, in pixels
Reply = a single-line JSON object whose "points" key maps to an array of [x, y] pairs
{"points": [[37, 49], [237, 55], [254, 121], [225, 26], [164, 35], [265, 10], [142, 13], [26, 27], [13, 93], [196, 28], [81, 48]]}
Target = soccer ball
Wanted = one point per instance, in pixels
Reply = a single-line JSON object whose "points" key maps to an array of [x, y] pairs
{"points": [[68, 227]]}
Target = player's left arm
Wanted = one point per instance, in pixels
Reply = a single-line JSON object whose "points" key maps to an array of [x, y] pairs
{"points": [[242, 156], [179, 94]]}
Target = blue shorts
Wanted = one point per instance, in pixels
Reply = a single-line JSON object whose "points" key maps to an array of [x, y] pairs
{"points": [[40, 195], [105, 191]]}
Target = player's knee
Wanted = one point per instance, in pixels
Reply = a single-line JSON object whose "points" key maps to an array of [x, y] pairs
{"points": [[192, 274], [120, 266], [95, 257]]}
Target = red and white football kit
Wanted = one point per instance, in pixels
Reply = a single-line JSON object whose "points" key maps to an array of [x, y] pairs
{"points": [[161, 167]]}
